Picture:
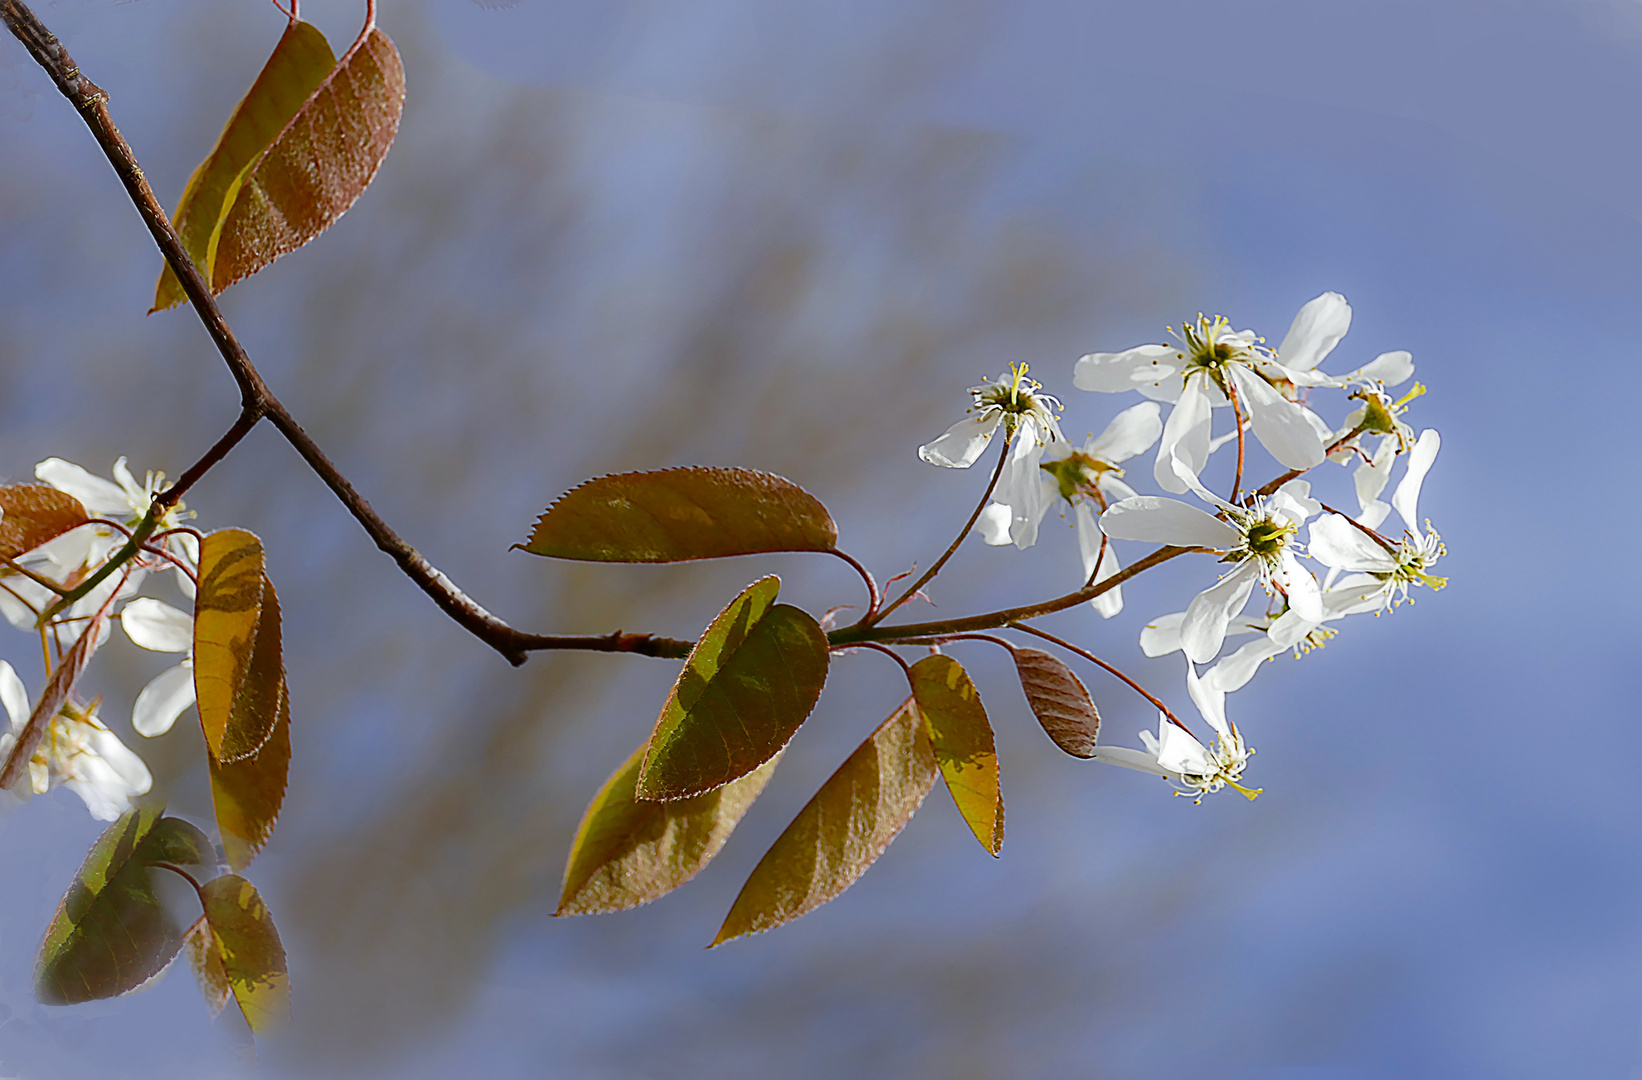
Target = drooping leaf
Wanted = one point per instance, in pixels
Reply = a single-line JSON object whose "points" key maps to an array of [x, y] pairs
{"points": [[321, 162], [247, 793], [206, 961], [110, 933], [237, 646], [249, 951], [747, 685], [299, 64], [842, 830], [962, 738], [1059, 701], [679, 514], [31, 514], [630, 851]]}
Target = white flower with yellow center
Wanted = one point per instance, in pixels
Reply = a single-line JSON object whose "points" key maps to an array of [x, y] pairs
{"points": [[1178, 756], [1012, 401], [77, 752], [124, 500]]}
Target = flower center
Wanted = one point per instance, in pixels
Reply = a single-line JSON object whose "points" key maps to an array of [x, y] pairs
{"points": [[1079, 474], [1266, 538]]}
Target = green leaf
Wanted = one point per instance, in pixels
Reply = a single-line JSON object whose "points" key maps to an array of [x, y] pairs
{"points": [[247, 947], [841, 831], [747, 685], [964, 747], [32, 514], [206, 961], [679, 514], [247, 793], [321, 162], [299, 64], [238, 665], [110, 933], [630, 851], [1060, 702]]}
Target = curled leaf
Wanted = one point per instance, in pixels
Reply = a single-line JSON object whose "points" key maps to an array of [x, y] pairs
{"points": [[842, 830], [32, 514], [680, 514], [238, 666], [962, 739], [248, 951], [1059, 701], [247, 793], [748, 684]]}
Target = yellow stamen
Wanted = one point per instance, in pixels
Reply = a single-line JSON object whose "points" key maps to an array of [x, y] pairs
{"points": [[1247, 793], [1015, 390], [1419, 388]]}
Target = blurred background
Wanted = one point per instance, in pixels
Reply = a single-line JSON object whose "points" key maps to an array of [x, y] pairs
{"points": [[622, 234]]}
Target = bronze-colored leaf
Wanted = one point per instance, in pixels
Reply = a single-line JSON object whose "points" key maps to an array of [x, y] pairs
{"points": [[1059, 701], [746, 687], [679, 514], [962, 738], [248, 947], [629, 851], [206, 961], [32, 514], [247, 793], [842, 830], [299, 64], [238, 664], [110, 933], [321, 162]]}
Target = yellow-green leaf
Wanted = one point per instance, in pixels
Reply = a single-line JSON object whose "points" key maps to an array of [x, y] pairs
{"points": [[630, 851], [110, 933], [238, 665], [207, 964], [248, 948], [746, 687], [247, 793], [1060, 702], [842, 830], [32, 514], [321, 162], [962, 738], [299, 64], [678, 514]]}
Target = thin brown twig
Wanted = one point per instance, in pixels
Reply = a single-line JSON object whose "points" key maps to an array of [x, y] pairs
{"points": [[874, 597], [1237, 418], [1364, 529], [886, 650]]}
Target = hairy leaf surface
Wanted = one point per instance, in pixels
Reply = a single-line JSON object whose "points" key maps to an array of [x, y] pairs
{"points": [[629, 851], [248, 949], [1059, 700], [247, 793], [842, 830], [299, 64], [679, 514], [32, 514], [238, 666], [746, 687], [962, 738]]}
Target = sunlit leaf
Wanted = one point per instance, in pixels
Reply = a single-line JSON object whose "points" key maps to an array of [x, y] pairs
{"points": [[247, 793], [206, 961], [248, 947], [110, 933], [31, 514], [299, 64], [323, 160], [1059, 701], [678, 514], [842, 830], [237, 646], [747, 685], [962, 737], [629, 851]]}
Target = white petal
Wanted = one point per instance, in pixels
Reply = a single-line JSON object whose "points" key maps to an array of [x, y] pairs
{"points": [[1186, 435], [1179, 751], [1210, 701], [163, 700], [1139, 760], [1390, 368], [993, 524], [1315, 331], [1113, 373], [126, 765], [1278, 423], [1097, 563], [17, 596], [1374, 514], [1114, 489], [14, 696], [963, 441], [1156, 520], [158, 626], [1371, 475], [98, 496], [135, 494], [1293, 500], [1131, 432], [1300, 587], [1204, 629], [1406, 499], [1234, 672], [1025, 489], [1336, 542], [1161, 636]]}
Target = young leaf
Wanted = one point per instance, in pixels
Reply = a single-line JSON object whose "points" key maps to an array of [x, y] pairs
{"points": [[747, 685], [962, 739], [247, 793], [630, 851], [1059, 701], [110, 933], [321, 162], [678, 514], [206, 961], [300, 62], [841, 831], [248, 949], [237, 646], [31, 514]]}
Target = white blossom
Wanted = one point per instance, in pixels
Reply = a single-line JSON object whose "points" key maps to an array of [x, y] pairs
{"points": [[1177, 755], [162, 628], [77, 752], [1013, 401]]}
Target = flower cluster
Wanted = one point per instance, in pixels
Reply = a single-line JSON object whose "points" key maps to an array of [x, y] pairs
{"points": [[1313, 564]]}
